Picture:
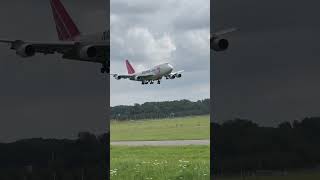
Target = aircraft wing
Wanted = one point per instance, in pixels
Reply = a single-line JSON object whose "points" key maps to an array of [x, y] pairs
{"points": [[132, 77], [223, 32], [41, 47], [119, 76], [69, 49]]}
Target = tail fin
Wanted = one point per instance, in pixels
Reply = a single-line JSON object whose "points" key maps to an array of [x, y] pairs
{"points": [[129, 68], [66, 28]]}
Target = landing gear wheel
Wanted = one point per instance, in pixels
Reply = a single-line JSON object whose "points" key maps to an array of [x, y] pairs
{"points": [[151, 82], [105, 68], [158, 81], [102, 70]]}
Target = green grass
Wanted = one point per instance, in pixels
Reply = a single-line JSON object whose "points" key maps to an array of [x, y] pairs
{"points": [[186, 128], [160, 163], [304, 175]]}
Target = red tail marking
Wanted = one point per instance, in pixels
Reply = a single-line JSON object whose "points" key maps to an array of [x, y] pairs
{"points": [[129, 68], [66, 28]]}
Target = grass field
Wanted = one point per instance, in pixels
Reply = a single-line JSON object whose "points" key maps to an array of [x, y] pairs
{"points": [[290, 176], [186, 128], [160, 163]]}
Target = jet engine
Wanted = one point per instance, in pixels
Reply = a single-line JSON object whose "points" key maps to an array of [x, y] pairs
{"points": [[179, 75], [87, 52], [138, 78], [117, 77], [25, 50], [218, 44], [172, 76]]}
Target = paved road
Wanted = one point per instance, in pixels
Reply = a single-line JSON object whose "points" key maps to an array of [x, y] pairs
{"points": [[161, 143]]}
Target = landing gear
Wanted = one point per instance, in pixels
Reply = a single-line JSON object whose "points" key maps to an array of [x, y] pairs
{"points": [[105, 68], [150, 82]]}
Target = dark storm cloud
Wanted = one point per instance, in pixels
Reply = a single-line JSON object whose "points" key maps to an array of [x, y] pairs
{"points": [[270, 73], [46, 96]]}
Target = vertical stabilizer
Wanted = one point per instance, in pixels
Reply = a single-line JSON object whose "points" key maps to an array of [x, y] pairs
{"points": [[129, 68], [66, 28]]}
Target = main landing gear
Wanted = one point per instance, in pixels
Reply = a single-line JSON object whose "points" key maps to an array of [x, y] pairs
{"points": [[105, 68], [151, 82]]}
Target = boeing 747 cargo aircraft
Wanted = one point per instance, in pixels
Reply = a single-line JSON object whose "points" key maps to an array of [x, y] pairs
{"points": [[149, 76], [72, 45]]}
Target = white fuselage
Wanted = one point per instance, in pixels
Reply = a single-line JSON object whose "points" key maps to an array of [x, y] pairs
{"points": [[155, 73]]}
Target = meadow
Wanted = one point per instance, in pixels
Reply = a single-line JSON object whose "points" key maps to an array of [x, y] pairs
{"points": [[160, 163], [185, 128], [307, 175]]}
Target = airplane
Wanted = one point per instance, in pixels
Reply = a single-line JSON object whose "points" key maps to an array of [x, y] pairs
{"points": [[154, 74], [72, 44], [220, 44]]}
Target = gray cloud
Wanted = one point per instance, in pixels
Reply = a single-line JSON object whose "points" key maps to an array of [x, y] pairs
{"points": [[162, 31]]}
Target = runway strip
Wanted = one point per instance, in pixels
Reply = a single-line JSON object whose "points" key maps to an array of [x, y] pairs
{"points": [[161, 143]]}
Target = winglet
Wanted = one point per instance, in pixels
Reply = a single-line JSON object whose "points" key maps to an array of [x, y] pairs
{"points": [[129, 68], [223, 32], [66, 28]]}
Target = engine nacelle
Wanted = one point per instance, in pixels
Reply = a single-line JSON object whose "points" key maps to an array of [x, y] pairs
{"points": [[218, 44], [88, 52], [117, 77], [25, 50], [173, 76], [179, 75], [138, 78]]}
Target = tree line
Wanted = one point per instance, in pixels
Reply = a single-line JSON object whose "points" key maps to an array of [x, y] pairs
{"points": [[241, 145], [157, 110], [83, 158]]}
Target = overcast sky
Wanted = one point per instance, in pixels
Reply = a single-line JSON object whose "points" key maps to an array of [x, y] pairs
{"points": [[269, 74], [153, 32], [45, 96], [271, 71]]}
